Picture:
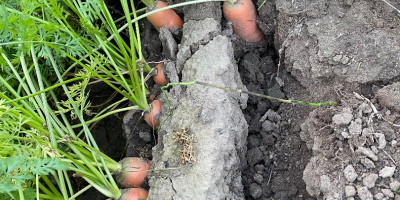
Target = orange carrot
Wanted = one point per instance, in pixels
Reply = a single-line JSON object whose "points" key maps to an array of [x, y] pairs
{"points": [[152, 97], [152, 117], [166, 18], [159, 78], [133, 194], [133, 171], [242, 14]]}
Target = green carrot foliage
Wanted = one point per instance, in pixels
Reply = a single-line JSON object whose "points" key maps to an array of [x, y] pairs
{"points": [[17, 172]]}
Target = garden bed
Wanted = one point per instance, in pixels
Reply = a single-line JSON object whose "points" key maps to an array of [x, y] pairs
{"points": [[215, 143], [311, 52]]}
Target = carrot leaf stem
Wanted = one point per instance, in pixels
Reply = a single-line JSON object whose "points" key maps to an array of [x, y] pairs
{"points": [[238, 91], [266, 96]]}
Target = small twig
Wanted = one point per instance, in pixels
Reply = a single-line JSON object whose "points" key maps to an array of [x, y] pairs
{"points": [[394, 8], [389, 157], [157, 62], [336, 156], [270, 175], [324, 127], [98, 81], [375, 111], [359, 66], [150, 74]]}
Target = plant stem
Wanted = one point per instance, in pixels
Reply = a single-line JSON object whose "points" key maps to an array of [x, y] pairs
{"points": [[50, 184], [80, 192], [238, 91], [266, 96], [46, 89], [106, 115], [44, 196]]}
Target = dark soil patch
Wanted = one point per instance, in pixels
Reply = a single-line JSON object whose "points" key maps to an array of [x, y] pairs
{"points": [[276, 155], [107, 132], [295, 151]]}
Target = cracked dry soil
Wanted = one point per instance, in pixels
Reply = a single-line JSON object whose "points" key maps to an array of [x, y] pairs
{"points": [[253, 148]]}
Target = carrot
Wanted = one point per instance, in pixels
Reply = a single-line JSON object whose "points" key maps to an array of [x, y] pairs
{"points": [[152, 97], [133, 171], [152, 117], [166, 18], [242, 14], [159, 78], [133, 194]]}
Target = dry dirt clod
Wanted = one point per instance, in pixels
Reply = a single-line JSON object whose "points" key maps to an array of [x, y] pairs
{"points": [[379, 196], [258, 178], [268, 126], [214, 118], [254, 156], [325, 182], [389, 95], [350, 191], [369, 180], [367, 152], [369, 164], [393, 143], [395, 185], [350, 173], [355, 128], [381, 140], [146, 136], [271, 115], [387, 172], [170, 47], [364, 193], [388, 193], [343, 118], [255, 190]]}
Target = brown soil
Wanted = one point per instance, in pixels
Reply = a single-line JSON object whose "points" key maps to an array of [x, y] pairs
{"points": [[315, 51]]}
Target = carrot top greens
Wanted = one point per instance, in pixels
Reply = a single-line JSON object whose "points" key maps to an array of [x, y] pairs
{"points": [[41, 42]]}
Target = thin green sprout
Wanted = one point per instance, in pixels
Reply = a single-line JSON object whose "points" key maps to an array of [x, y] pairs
{"points": [[259, 7]]}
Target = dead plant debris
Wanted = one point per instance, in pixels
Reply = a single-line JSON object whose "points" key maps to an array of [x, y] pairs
{"points": [[186, 154]]}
